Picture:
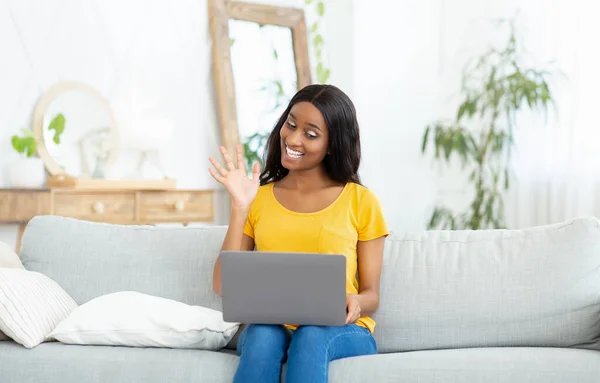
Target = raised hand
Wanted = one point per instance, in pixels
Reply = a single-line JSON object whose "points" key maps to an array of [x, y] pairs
{"points": [[241, 188]]}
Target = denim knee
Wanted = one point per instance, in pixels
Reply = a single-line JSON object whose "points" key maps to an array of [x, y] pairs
{"points": [[259, 339], [311, 334]]}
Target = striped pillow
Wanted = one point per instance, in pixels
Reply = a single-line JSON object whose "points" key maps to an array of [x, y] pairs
{"points": [[31, 305], [8, 258]]}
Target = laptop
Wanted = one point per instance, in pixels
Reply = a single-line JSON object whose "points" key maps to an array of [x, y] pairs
{"points": [[283, 288]]}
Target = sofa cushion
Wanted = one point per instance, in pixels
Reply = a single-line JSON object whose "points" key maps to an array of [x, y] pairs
{"points": [[129, 318], [489, 365], [56, 362], [59, 363], [91, 259], [10, 259], [31, 305], [452, 289]]}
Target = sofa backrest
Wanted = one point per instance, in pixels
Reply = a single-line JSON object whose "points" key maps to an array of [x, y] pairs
{"points": [[90, 259], [439, 289], [492, 288]]}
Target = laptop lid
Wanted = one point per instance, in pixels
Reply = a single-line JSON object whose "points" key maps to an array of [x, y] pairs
{"points": [[283, 288]]}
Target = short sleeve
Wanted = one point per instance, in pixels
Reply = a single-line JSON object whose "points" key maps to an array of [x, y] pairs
{"points": [[249, 227], [371, 221]]}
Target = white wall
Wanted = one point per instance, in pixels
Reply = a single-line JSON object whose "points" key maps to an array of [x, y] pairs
{"points": [[148, 57], [408, 56], [397, 92]]}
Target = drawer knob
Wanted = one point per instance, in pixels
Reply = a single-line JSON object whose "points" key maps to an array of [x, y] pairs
{"points": [[98, 207], [179, 205]]}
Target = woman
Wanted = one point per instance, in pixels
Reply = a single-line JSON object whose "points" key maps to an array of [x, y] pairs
{"points": [[307, 199]]}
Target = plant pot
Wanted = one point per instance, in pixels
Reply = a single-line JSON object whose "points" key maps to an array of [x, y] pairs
{"points": [[28, 173]]}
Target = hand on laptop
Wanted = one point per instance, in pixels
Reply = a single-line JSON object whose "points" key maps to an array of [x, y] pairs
{"points": [[352, 309], [241, 188]]}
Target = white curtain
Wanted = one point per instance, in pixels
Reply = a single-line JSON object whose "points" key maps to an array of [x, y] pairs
{"points": [[557, 161]]}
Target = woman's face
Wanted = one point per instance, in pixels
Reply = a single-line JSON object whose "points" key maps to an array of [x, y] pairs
{"points": [[304, 138]]}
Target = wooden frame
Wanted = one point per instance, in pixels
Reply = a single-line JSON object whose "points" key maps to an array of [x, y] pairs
{"points": [[38, 121], [220, 12]]}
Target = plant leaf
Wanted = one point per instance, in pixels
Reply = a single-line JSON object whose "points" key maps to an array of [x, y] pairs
{"points": [[318, 40], [17, 144], [29, 143], [320, 8], [58, 125], [323, 76], [425, 137]]}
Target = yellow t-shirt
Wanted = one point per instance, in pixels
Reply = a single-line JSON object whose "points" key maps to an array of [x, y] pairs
{"points": [[354, 216]]}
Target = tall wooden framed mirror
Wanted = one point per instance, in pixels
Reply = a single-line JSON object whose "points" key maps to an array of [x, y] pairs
{"points": [[260, 60]]}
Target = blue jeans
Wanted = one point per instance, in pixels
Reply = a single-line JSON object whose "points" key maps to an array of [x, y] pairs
{"points": [[263, 349]]}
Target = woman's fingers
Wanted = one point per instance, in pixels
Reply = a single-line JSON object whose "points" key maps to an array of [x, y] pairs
{"points": [[353, 317], [214, 174], [217, 166], [350, 314], [354, 311], [240, 158], [256, 171], [228, 161]]}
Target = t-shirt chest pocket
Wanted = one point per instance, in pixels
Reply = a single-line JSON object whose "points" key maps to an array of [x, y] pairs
{"points": [[335, 241]]}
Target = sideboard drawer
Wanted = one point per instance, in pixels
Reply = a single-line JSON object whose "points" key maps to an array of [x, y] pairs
{"points": [[176, 206], [105, 207], [19, 207]]}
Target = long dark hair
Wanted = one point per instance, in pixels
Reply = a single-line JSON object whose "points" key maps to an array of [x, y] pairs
{"points": [[343, 158]]}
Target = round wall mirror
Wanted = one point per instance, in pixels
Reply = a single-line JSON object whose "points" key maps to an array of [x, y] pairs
{"points": [[76, 131]]}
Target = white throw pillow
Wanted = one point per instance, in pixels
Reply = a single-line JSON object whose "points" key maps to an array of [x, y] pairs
{"points": [[8, 258], [31, 305], [134, 319]]}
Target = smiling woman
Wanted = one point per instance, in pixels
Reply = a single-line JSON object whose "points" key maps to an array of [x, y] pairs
{"points": [[303, 143], [318, 126], [308, 199]]}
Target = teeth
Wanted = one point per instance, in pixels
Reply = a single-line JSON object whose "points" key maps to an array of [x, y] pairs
{"points": [[293, 153]]}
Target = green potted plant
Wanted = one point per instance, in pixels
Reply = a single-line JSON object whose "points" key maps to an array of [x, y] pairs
{"points": [[28, 171], [494, 90]]}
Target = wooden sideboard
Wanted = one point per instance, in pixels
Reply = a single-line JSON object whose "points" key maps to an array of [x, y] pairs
{"points": [[134, 207]]}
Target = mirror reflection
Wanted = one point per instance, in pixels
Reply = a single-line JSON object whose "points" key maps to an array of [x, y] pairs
{"points": [[78, 133], [264, 74]]}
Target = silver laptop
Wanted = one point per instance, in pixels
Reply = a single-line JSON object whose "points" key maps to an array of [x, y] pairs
{"points": [[279, 288]]}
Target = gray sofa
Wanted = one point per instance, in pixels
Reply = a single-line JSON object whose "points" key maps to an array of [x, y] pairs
{"points": [[463, 306]]}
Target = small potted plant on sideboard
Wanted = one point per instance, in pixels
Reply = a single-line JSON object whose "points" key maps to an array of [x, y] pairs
{"points": [[28, 171]]}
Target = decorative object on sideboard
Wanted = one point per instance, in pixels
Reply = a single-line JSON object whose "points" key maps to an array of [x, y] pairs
{"points": [[147, 137], [494, 89], [28, 171], [90, 144]]}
